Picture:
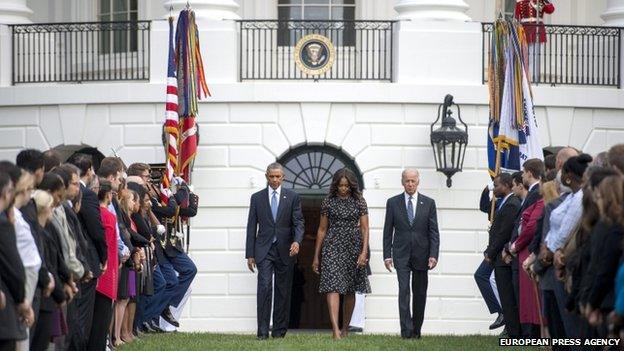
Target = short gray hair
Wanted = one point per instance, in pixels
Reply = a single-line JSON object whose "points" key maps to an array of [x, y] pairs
{"points": [[273, 166], [410, 170]]}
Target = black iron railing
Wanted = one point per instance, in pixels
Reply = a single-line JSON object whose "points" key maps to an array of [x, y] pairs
{"points": [[79, 52], [363, 49], [570, 55]]}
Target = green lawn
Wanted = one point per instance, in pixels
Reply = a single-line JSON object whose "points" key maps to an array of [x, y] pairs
{"points": [[310, 341]]}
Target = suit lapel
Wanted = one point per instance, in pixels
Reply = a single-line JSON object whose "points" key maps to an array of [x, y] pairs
{"points": [[280, 205], [267, 203], [420, 208]]}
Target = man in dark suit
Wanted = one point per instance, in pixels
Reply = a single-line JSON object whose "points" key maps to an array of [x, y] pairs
{"points": [[95, 254], [411, 243], [274, 232], [500, 232]]}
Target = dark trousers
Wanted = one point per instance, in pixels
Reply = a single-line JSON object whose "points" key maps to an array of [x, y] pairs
{"points": [[35, 306], [571, 322], [509, 302], [555, 323], [41, 339], [171, 286], [80, 316], [150, 306], [411, 321], [186, 273], [482, 277], [272, 265], [102, 312], [7, 345]]}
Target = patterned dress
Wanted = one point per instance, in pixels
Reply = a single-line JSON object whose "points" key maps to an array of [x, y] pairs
{"points": [[342, 246]]}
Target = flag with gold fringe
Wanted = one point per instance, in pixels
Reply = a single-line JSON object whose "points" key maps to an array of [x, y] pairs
{"points": [[191, 87], [513, 134]]}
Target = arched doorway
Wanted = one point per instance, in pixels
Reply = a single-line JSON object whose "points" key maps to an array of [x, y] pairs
{"points": [[308, 171], [65, 152]]}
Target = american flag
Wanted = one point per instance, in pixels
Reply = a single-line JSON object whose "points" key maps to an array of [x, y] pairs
{"points": [[171, 122]]}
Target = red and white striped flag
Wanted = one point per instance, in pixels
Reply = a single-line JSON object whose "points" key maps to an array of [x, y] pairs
{"points": [[171, 130]]}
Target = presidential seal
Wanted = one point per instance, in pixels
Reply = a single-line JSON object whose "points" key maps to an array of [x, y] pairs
{"points": [[314, 54]]}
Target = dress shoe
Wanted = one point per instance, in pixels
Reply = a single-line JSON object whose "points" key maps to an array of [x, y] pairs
{"points": [[156, 327], [355, 329], [146, 327], [167, 316], [263, 337], [499, 322]]}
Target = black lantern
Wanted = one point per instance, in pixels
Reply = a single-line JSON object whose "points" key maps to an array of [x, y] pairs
{"points": [[449, 142]]}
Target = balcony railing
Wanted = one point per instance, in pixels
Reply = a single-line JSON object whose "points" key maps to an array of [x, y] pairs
{"points": [[569, 55], [363, 49], [79, 52]]}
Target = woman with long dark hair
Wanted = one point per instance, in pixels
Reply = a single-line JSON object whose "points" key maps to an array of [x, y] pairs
{"points": [[342, 248]]}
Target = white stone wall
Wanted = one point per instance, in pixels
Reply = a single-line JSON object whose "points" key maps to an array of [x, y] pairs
{"points": [[241, 132]]}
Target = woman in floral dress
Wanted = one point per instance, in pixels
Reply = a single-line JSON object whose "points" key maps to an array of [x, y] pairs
{"points": [[342, 248]]}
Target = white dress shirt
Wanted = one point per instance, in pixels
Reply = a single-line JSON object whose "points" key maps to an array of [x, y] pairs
{"points": [[26, 242], [563, 220], [278, 190]]}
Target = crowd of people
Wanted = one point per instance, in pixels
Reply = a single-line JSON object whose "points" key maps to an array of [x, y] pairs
{"points": [[552, 266], [90, 258]]}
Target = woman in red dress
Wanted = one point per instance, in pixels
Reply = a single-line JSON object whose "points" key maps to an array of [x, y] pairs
{"points": [[107, 283], [534, 207]]}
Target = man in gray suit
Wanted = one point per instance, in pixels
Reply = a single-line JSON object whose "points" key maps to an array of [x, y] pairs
{"points": [[411, 244], [274, 234]]}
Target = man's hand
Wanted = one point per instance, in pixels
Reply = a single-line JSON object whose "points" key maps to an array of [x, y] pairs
{"points": [[87, 277], [51, 285], [2, 301], [432, 263], [389, 264], [506, 257], [294, 249], [26, 313], [559, 259], [103, 267], [594, 317], [69, 292], [251, 264], [546, 256], [487, 259], [526, 264]]}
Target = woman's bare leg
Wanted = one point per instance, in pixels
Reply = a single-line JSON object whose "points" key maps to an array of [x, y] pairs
{"points": [[333, 304], [347, 312]]}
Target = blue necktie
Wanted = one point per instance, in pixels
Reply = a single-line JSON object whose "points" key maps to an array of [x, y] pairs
{"points": [[500, 205], [410, 210], [274, 205]]}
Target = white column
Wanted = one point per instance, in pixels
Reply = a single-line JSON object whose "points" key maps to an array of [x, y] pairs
{"points": [[614, 14], [614, 17], [14, 11], [11, 12], [436, 43], [445, 10], [206, 9]]}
